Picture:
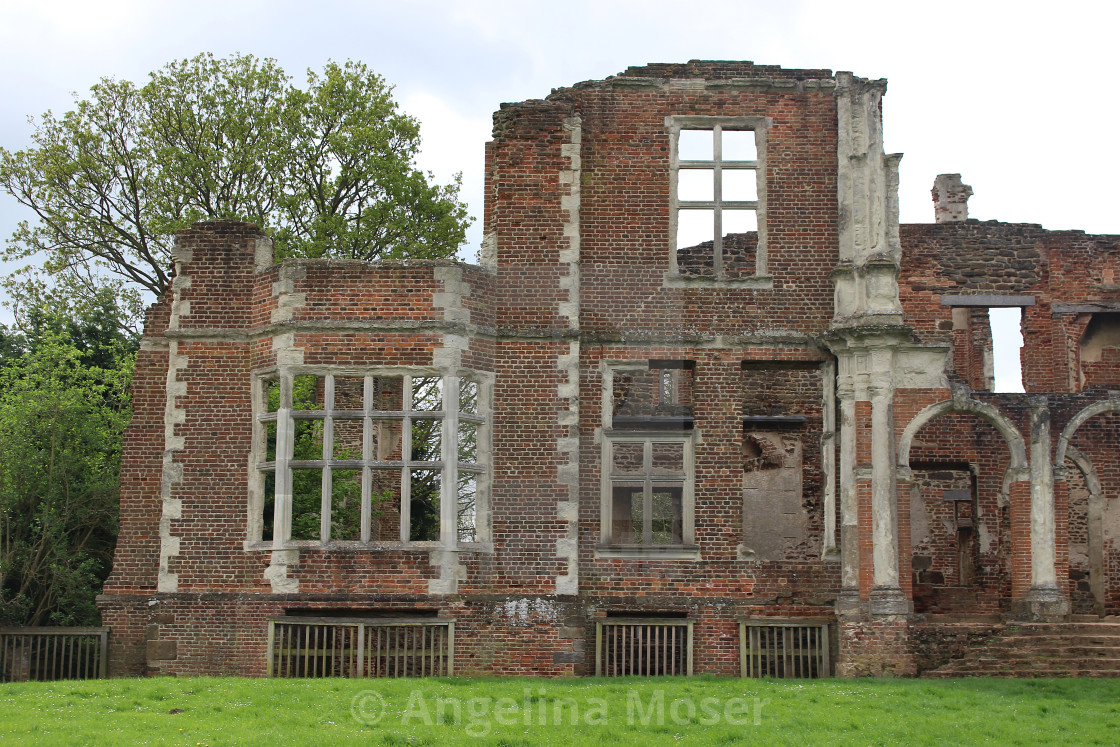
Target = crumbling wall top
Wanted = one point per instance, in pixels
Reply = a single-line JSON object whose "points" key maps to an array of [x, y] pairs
{"points": [[718, 70], [717, 74]]}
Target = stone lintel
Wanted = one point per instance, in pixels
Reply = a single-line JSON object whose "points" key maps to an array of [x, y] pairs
{"points": [[988, 301]]}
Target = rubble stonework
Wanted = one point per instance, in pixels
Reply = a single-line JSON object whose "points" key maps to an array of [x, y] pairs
{"points": [[620, 426]]}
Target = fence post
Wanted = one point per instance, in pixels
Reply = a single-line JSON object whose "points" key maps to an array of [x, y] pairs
{"points": [[103, 663], [271, 648]]}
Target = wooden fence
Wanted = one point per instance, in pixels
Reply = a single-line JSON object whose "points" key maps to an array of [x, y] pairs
{"points": [[333, 647], [44, 654], [784, 647], [642, 646]]}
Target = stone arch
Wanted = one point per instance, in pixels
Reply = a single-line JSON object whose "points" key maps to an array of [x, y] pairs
{"points": [[945, 559], [1112, 404], [1015, 444]]}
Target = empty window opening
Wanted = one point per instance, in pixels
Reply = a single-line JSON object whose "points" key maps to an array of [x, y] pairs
{"points": [[1007, 342], [1103, 331], [664, 389], [716, 176], [368, 458], [1100, 352]]}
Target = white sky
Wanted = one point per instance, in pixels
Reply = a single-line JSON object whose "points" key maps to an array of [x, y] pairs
{"points": [[1018, 97]]}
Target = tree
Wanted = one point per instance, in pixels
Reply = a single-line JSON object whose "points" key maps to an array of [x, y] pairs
{"points": [[329, 170], [64, 403]]}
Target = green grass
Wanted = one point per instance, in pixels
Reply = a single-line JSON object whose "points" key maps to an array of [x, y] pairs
{"points": [[509, 712]]}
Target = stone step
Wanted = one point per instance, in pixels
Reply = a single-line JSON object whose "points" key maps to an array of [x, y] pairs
{"points": [[1104, 629], [1064, 652], [1055, 643], [1017, 674], [1084, 648], [1043, 666], [1049, 663]]}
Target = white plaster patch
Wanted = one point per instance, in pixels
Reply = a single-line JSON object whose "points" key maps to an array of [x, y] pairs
{"points": [[986, 538], [526, 612], [449, 357], [1110, 521], [488, 254], [287, 354], [567, 547], [921, 368], [919, 518]]}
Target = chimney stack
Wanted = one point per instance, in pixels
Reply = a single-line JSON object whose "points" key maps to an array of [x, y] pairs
{"points": [[950, 199]]}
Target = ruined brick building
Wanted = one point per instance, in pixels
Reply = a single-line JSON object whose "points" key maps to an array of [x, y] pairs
{"points": [[702, 406]]}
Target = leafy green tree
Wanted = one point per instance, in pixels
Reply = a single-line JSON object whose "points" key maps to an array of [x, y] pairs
{"points": [[64, 403], [329, 170]]}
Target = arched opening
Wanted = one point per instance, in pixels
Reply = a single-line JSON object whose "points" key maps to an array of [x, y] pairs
{"points": [[1085, 532], [1087, 448], [958, 457]]}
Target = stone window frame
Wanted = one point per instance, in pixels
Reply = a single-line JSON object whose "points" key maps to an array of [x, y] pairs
{"points": [[759, 125], [449, 464], [688, 549]]}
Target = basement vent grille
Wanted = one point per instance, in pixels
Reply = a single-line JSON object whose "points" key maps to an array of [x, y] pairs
{"points": [[645, 647], [784, 648], [333, 647]]}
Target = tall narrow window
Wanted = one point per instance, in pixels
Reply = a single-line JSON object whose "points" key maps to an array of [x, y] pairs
{"points": [[1007, 342], [717, 185], [368, 458], [647, 497]]}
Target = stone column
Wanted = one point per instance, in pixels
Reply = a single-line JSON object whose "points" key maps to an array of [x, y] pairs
{"points": [[848, 603], [886, 593], [1045, 600]]}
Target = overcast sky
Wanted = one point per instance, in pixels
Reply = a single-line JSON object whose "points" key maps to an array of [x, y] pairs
{"points": [[1020, 98]]}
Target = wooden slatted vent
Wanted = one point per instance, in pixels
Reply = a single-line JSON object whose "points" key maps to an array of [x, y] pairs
{"points": [[333, 647], [641, 646], [45, 654], [784, 647]]}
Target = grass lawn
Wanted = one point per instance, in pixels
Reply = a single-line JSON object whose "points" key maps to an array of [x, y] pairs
{"points": [[233, 711]]}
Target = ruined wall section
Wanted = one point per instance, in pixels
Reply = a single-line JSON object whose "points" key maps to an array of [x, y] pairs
{"points": [[202, 527], [185, 560], [136, 559], [628, 288], [792, 580], [635, 307], [1070, 276], [532, 238]]}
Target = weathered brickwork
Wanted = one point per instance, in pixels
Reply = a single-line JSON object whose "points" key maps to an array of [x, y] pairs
{"points": [[599, 423]]}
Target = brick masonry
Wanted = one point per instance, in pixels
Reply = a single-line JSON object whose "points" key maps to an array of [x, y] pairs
{"points": [[862, 371]]}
